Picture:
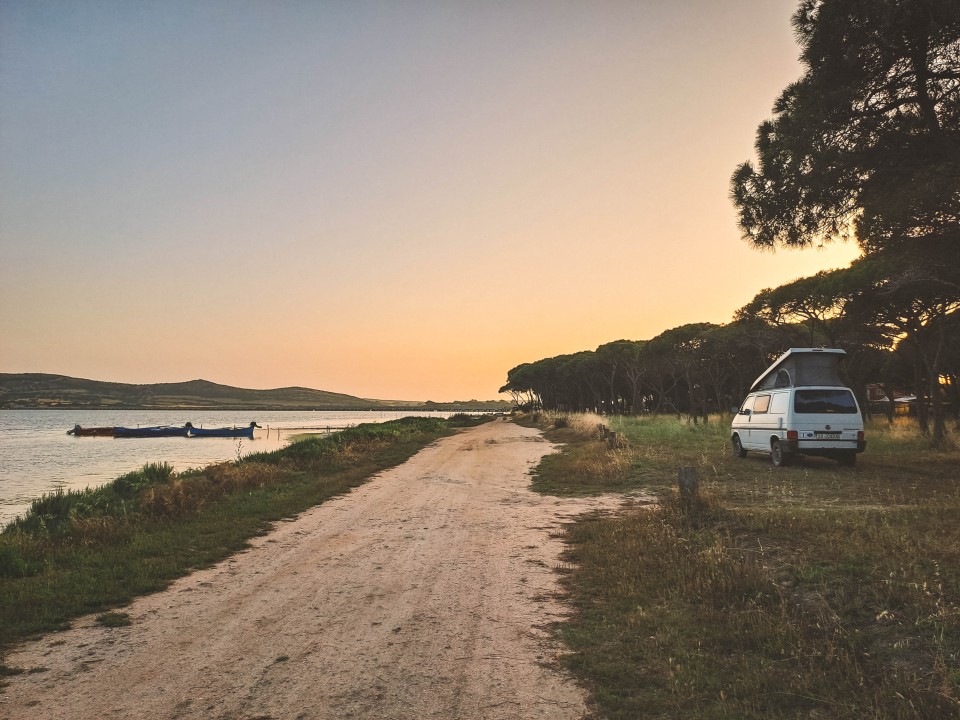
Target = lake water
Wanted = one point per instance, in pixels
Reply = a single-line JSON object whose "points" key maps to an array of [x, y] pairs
{"points": [[37, 456]]}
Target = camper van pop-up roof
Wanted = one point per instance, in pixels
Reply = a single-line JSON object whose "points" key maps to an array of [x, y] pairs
{"points": [[799, 367]]}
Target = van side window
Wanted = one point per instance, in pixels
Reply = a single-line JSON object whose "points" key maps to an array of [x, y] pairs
{"points": [[761, 405], [779, 402], [747, 405], [824, 401]]}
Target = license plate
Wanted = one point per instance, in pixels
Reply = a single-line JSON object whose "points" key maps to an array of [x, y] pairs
{"points": [[827, 435]]}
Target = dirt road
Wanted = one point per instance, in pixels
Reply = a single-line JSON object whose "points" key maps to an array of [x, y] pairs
{"points": [[423, 594]]}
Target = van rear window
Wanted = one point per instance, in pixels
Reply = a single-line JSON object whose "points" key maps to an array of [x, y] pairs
{"points": [[839, 402]]}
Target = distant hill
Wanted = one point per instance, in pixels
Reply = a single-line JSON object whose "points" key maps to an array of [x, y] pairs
{"points": [[41, 390]]}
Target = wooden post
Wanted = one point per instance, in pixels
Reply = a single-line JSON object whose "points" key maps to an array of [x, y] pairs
{"points": [[689, 487]]}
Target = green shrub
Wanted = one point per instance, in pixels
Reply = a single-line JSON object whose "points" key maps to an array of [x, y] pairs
{"points": [[58, 512], [127, 486], [12, 564]]}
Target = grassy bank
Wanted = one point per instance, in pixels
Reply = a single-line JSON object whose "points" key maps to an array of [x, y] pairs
{"points": [[81, 552], [811, 591]]}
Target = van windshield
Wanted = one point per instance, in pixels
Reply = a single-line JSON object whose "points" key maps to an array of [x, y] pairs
{"points": [[839, 402]]}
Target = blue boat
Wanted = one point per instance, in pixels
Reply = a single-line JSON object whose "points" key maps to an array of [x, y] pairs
{"points": [[230, 432], [150, 432]]}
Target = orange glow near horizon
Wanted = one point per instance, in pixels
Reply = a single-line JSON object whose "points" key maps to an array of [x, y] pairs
{"points": [[396, 204]]}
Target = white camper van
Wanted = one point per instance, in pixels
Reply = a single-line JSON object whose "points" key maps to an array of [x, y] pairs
{"points": [[799, 406]]}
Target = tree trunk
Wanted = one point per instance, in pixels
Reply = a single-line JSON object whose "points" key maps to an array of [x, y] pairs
{"points": [[920, 389], [939, 422], [931, 363], [921, 70], [891, 405], [689, 485]]}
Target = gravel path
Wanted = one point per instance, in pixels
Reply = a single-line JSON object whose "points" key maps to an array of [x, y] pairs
{"points": [[425, 593]]}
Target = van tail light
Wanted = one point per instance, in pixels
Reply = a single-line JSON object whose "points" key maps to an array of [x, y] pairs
{"points": [[860, 435], [792, 435]]}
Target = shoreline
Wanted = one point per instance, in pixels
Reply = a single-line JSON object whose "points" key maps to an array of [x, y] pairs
{"points": [[428, 592], [82, 550], [439, 407], [39, 456]]}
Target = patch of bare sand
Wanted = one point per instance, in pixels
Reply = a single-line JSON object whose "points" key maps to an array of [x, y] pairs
{"points": [[425, 593]]}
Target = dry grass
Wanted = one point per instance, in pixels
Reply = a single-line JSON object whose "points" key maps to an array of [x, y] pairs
{"points": [[587, 468], [813, 591], [588, 465], [189, 492], [581, 425]]}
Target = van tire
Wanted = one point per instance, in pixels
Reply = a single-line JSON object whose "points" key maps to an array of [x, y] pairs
{"points": [[848, 459], [777, 456], [738, 447]]}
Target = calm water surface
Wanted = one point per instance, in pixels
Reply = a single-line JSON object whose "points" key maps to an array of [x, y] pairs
{"points": [[37, 456]]}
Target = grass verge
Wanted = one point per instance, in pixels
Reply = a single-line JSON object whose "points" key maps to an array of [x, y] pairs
{"points": [[811, 591], [81, 552]]}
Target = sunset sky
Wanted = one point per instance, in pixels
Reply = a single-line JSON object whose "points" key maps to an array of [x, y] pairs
{"points": [[395, 200]]}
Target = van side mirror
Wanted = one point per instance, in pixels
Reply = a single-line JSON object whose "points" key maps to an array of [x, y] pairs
{"points": [[745, 411]]}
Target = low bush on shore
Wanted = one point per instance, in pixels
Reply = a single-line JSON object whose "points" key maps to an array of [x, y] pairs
{"points": [[77, 552], [812, 591]]}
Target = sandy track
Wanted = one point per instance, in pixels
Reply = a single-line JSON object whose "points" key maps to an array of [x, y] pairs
{"points": [[422, 594]]}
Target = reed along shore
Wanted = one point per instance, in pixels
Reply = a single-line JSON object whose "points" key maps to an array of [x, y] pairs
{"points": [[78, 552]]}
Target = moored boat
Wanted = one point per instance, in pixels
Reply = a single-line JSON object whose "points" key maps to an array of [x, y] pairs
{"points": [[78, 431], [148, 432], [230, 432]]}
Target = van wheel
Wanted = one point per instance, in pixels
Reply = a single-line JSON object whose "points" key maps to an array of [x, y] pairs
{"points": [[738, 447], [777, 455], [848, 459]]}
